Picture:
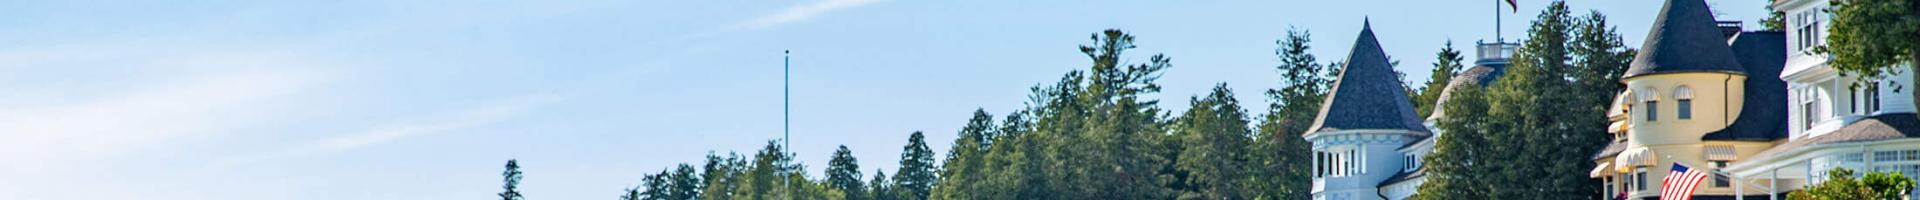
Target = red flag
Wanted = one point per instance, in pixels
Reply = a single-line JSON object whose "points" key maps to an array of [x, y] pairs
{"points": [[1516, 6]]}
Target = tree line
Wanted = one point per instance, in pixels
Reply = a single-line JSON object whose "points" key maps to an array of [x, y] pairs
{"points": [[1092, 135]]}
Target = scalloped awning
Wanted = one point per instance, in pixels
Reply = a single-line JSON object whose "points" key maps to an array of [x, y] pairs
{"points": [[1633, 157]]}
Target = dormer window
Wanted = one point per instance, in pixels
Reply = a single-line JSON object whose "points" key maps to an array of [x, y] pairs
{"points": [[1652, 99], [1683, 98]]}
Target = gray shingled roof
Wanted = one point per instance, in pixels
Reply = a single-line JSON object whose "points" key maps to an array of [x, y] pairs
{"points": [[1684, 39], [1481, 75], [1612, 149], [1404, 176], [1875, 128], [1762, 118], [1367, 94]]}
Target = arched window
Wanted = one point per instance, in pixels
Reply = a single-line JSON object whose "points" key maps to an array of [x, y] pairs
{"points": [[1652, 98], [1683, 98]]}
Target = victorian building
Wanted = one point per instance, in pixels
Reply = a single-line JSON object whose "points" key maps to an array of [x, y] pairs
{"points": [[1758, 108], [1365, 119], [1367, 141]]}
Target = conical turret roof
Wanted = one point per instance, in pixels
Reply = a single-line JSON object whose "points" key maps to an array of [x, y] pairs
{"points": [[1367, 94], [1684, 39]]}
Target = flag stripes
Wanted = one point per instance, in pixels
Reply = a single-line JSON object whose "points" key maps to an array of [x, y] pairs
{"points": [[1680, 182]]}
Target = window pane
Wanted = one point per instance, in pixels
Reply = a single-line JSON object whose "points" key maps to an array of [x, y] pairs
{"points": [[1886, 155], [1653, 110], [1721, 181], [1686, 109]]}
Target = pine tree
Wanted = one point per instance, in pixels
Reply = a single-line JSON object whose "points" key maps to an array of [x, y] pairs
{"points": [[766, 179], [1461, 165], [881, 189], [960, 176], [512, 176], [1014, 162], [683, 184], [1279, 152], [654, 186], [1599, 60], [1546, 104], [1446, 64], [843, 173], [1213, 135], [631, 193], [720, 175], [914, 180], [1540, 103]]}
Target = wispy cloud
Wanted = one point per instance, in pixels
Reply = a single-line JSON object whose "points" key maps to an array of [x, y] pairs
{"points": [[112, 101], [495, 112], [802, 12], [189, 98]]}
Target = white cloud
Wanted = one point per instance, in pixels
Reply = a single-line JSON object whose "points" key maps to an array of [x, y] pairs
{"points": [[802, 12], [491, 113], [109, 103]]}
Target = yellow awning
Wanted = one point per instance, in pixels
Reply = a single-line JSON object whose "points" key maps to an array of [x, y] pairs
{"points": [[1597, 169], [1617, 127], [1633, 157]]}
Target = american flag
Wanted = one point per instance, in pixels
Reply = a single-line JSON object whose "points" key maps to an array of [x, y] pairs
{"points": [[1680, 182]]}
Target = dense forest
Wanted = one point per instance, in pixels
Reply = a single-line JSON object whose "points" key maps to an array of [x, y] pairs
{"points": [[1094, 135]]}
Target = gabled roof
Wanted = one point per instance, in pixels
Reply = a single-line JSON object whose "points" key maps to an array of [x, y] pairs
{"points": [[1367, 94], [1764, 54], [1684, 39]]}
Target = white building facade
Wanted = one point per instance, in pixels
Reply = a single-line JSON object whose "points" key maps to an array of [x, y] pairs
{"points": [[1836, 121]]}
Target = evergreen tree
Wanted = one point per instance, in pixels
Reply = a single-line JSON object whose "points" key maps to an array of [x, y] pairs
{"points": [[720, 176], [1213, 135], [631, 193], [1461, 165], [881, 189], [1600, 58], [1446, 64], [1281, 156], [843, 173], [960, 176], [1541, 104], [1014, 162], [766, 178], [512, 176], [1546, 104], [914, 180], [1869, 39], [683, 184], [1531, 97], [654, 186], [1121, 132]]}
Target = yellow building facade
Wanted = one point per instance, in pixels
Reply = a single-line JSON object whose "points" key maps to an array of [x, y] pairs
{"points": [[1687, 94]]}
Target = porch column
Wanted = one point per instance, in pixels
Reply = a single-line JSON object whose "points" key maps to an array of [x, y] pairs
{"points": [[1739, 191], [1773, 184]]}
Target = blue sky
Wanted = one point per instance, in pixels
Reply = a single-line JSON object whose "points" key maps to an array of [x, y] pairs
{"points": [[215, 99]]}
